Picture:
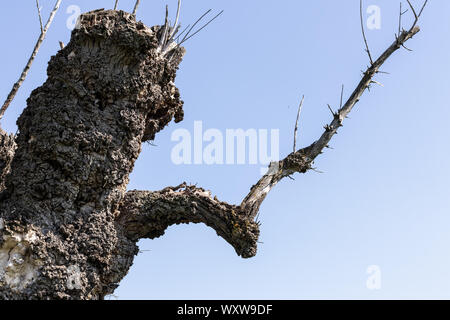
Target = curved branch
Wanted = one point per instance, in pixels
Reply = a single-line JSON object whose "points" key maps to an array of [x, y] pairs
{"points": [[145, 214]]}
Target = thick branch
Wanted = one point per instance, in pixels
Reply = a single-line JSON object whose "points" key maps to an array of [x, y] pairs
{"points": [[147, 214]]}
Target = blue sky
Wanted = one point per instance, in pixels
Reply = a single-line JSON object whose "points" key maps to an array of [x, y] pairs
{"points": [[383, 198]]}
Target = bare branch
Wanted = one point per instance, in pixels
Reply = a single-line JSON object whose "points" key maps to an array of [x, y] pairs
{"points": [[136, 7], [416, 15], [115, 5], [378, 83], [165, 30], [7, 150], [400, 17], [296, 122], [200, 29], [175, 25], [182, 32], [301, 161], [170, 34], [40, 17], [41, 38], [363, 32], [421, 9], [332, 112]]}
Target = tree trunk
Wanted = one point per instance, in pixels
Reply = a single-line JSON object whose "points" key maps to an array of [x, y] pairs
{"points": [[107, 91]]}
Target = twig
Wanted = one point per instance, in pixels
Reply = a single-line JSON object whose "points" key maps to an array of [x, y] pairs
{"points": [[115, 5], [342, 96], [170, 35], [363, 32], [182, 32], [193, 26], [40, 17], [136, 7], [378, 83], [331, 110], [296, 122], [215, 17], [165, 28], [400, 18], [416, 15], [41, 38]]}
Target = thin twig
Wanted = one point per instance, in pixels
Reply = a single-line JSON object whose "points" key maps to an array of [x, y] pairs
{"points": [[162, 41], [296, 122], [215, 17], [174, 30], [342, 96], [363, 32], [115, 5], [193, 26], [41, 38], [136, 7], [378, 83], [400, 18], [331, 110], [416, 15], [40, 17], [182, 32], [423, 7]]}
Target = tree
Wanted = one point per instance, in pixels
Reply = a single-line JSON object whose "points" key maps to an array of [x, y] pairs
{"points": [[68, 228]]}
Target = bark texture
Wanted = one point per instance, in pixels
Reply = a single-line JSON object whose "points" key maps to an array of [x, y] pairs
{"points": [[148, 214], [107, 91], [7, 149]]}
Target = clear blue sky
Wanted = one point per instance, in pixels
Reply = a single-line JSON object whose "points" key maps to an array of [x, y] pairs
{"points": [[383, 198]]}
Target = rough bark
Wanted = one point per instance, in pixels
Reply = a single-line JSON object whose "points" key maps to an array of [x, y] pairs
{"points": [[107, 91], [7, 149]]}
